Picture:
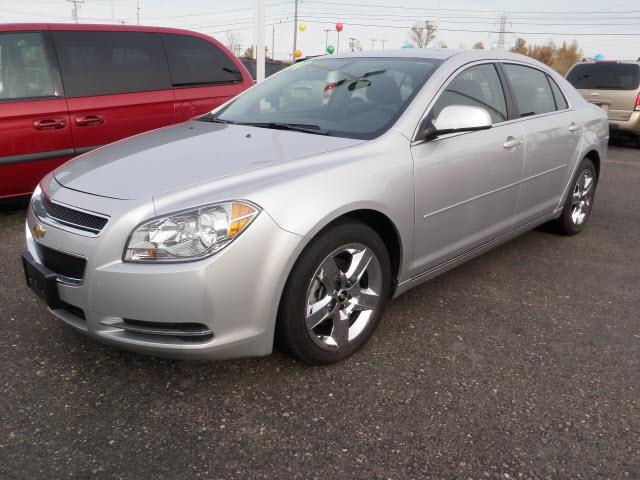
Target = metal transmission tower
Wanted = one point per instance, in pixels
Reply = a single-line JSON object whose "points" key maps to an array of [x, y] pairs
{"points": [[373, 43], [74, 10], [501, 42], [383, 41]]}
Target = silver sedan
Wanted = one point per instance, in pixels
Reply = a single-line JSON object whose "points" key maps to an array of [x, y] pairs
{"points": [[291, 215]]}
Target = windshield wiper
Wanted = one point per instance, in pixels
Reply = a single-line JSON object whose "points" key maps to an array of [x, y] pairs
{"points": [[298, 127], [210, 117]]}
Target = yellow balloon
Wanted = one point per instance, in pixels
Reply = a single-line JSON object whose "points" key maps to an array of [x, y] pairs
{"points": [[302, 27], [297, 54]]}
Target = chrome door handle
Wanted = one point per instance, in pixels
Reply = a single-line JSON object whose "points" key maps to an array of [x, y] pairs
{"points": [[89, 120], [574, 127], [512, 142]]}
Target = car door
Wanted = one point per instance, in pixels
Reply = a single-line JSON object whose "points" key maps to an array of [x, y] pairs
{"points": [[466, 185], [202, 74], [35, 136], [117, 84], [552, 140]]}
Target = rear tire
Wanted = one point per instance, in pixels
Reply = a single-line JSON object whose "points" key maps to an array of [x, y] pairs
{"points": [[579, 203], [335, 294]]}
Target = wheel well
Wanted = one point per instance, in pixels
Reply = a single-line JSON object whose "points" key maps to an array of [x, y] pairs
{"points": [[388, 233], [595, 158]]}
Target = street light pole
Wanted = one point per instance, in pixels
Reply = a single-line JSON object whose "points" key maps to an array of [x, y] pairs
{"points": [[295, 29], [259, 31]]}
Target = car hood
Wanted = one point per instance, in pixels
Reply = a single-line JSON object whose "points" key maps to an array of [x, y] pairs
{"points": [[176, 157]]}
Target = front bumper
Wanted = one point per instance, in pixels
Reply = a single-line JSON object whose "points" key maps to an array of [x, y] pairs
{"points": [[234, 294]]}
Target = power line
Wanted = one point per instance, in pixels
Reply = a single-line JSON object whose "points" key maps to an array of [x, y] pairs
{"points": [[489, 31], [402, 7], [473, 22]]}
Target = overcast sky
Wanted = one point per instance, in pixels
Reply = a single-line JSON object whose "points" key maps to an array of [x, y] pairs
{"points": [[609, 27]]}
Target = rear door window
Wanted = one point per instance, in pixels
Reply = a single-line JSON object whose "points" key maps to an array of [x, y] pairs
{"points": [[605, 76], [531, 90], [107, 63], [561, 101], [194, 62], [24, 68]]}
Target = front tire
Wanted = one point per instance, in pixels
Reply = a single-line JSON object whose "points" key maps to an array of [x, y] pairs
{"points": [[577, 207], [335, 294]]}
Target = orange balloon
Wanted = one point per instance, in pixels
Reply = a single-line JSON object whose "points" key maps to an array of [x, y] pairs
{"points": [[297, 54]]}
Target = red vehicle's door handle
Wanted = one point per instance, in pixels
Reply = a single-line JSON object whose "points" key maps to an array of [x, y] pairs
{"points": [[89, 120], [49, 124]]}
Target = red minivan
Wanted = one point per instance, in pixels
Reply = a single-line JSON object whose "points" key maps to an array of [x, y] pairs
{"points": [[67, 89]]}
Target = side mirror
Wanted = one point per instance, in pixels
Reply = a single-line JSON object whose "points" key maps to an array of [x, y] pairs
{"points": [[453, 119]]}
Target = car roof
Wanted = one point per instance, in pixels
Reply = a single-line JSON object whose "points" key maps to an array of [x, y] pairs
{"points": [[461, 56], [597, 62], [95, 27]]}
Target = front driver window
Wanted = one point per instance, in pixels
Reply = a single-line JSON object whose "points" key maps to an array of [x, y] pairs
{"points": [[477, 86]]}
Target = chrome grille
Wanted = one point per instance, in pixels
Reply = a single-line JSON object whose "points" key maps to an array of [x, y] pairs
{"points": [[74, 218]]}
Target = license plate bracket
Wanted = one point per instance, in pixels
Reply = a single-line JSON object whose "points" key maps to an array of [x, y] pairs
{"points": [[42, 281]]}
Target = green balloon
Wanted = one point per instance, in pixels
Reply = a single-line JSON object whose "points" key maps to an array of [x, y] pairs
{"points": [[330, 49]]}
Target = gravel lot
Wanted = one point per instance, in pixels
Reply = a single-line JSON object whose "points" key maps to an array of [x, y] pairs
{"points": [[523, 363]]}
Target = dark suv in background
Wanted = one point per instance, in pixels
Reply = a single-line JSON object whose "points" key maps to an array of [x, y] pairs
{"points": [[68, 89]]}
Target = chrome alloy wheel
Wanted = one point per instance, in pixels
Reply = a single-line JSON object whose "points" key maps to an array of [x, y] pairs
{"points": [[343, 296], [582, 197]]}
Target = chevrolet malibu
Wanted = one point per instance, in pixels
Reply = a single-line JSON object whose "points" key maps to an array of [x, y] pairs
{"points": [[290, 215]]}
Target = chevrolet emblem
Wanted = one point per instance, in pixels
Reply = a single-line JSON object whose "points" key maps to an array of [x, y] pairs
{"points": [[38, 231]]}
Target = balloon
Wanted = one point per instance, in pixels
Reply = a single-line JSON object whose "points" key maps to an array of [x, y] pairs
{"points": [[302, 27], [297, 54], [339, 27], [330, 49], [599, 56]]}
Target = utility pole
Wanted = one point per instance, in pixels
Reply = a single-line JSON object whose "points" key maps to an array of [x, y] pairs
{"points": [[138, 12], [373, 42], [295, 29], [384, 40], [326, 38], [352, 44], [74, 10], [273, 40]]}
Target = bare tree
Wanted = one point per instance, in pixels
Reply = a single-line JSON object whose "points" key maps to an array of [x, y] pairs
{"points": [[248, 53], [421, 35], [233, 41], [478, 46]]}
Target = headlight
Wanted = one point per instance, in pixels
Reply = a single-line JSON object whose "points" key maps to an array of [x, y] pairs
{"points": [[189, 235], [36, 192]]}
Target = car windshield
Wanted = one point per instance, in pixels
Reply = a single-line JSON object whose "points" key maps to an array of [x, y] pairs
{"points": [[605, 76], [346, 97]]}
